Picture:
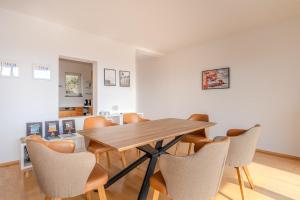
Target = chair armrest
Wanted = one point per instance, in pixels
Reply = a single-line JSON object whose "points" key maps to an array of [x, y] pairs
{"points": [[235, 132]]}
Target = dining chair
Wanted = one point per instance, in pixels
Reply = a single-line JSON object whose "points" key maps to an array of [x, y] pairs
{"points": [[241, 152], [194, 177], [195, 137], [61, 173], [95, 147], [131, 118]]}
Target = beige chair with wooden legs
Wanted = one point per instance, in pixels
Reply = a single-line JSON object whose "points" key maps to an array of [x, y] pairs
{"points": [[194, 177], [63, 174], [197, 136], [98, 148], [131, 118], [241, 152]]}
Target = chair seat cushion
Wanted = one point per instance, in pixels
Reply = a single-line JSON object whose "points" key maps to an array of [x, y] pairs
{"points": [[96, 147], [194, 138], [97, 178], [158, 183]]}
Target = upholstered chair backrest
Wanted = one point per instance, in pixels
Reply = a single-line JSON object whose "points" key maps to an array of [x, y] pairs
{"points": [[60, 174], [200, 117], [242, 146], [129, 118], [195, 177], [95, 122]]}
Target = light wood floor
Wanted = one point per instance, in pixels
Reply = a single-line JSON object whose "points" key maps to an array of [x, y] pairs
{"points": [[274, 178]]}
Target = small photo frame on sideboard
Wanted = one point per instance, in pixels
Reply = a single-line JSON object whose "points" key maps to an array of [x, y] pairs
{"points": [[124, 77], [34, 128], [69, 126], [51, 129], [109, 77]]}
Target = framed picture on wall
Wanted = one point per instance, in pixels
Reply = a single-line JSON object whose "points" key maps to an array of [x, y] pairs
{"points": [[51, 129], [69, 126], [124, 77], [73, 84], [34, 128], [109, 77], [216, 79]]}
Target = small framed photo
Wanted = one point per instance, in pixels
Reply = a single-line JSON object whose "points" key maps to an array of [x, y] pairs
{"points": [[51, 129], [124, 78], [109, 77], [216, 79], [34, 128], [69, 126]]}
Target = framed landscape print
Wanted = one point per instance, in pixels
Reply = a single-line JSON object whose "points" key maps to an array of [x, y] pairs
{"points": [[51, 129], [109, 77], [124, 77], [73, 84], [34, 128], [69, 126], [216, 79]]}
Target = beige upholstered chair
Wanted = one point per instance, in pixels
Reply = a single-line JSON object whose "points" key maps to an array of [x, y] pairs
{"points": [[95, 147], [241, 152], [197, 136], [62, 175], [195, 177]]}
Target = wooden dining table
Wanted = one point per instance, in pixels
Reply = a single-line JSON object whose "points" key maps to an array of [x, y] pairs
{"points": [[140, 135]]}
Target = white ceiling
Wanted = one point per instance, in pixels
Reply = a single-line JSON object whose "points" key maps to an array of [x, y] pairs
{"points": [[159, 25]]}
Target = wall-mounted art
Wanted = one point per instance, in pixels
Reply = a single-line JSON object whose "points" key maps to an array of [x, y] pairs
{"points": [[9, 68], [216, 79], [109, 77], [73, 84], [124, 77], [41, 72], [34, 128], [51, 129], [69, 126]]}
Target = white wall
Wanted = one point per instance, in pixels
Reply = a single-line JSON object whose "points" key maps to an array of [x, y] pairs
{"points": [[265, 85], [82, 68], [29, 40]]}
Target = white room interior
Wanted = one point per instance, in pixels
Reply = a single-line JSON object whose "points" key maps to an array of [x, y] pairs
{"points": [[165, 45]]}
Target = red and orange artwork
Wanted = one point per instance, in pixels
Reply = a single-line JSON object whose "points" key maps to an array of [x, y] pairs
{"points": [[216, 79]]}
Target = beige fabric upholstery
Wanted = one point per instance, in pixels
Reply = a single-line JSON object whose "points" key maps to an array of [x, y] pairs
{"points": [[60, 174], [242, 147], [195, 177]]}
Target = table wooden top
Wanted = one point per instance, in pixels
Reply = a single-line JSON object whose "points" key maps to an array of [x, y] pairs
{"points": [[134, 135]]}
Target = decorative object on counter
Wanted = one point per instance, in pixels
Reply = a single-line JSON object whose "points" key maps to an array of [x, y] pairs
{"points": [[34, 128], [69, 126], [51, 129], [216, 79], [87, 102], [124, 77], [73, 84], [9, 68], [109, 77], [41, 72]]}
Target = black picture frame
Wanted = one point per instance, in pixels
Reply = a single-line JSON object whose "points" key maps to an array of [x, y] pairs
{"points": [[108, 82], [69, 126], [51, 133], [34, 128], [226, 83], [124, 83]]}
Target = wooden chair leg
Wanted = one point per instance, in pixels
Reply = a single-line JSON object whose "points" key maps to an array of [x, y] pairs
{"points": [[101, 192], [123, 158], [176, 148], [155, 195], [47, 198], [138, 153], [190, 148], [241, 182], [98, 158], [108, 159], [250, 180], [89, 195]]}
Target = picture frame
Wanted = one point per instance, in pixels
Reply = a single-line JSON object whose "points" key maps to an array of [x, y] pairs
{"points": [[69, 126], [51, 129], [109, 77], [34, 128], [124, 78], [216, 79], [73, 84], [41, 72]]}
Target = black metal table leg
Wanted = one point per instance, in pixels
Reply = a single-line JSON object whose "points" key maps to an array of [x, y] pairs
{"points": [[150, 170]]}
